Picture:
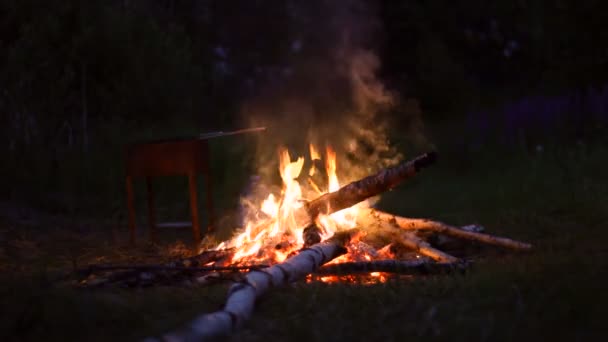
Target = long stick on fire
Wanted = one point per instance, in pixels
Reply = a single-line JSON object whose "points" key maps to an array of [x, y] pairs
{"points": [[242, 295], [370, 186], [358, 191]]}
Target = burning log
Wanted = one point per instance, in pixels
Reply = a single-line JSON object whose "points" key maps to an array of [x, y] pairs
{"points": [[360, 190], [391, 266], [442, 228], [312, 235], [370, 186], [242, 296]]}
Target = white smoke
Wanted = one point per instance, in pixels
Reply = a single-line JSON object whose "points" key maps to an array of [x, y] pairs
{"points": [[332, 96]]}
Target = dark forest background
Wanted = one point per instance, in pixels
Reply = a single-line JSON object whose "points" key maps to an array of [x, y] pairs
{"points": [[79, 79], [512, 94]]}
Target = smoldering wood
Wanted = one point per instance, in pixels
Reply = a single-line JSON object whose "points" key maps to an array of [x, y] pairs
{"points": [[442, 228], [153, 268], [216, 278], [392, 266], [311, 234], [242, 295], [134, 275], [204, 257]]}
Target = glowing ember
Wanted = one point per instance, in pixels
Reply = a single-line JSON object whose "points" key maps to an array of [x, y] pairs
{"points": [[363, 279]]}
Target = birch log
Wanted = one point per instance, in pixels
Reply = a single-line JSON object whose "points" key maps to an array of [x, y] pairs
{"points": [[439, 227], [358, 191], [422, 247], [370, 186], [242, 295]]}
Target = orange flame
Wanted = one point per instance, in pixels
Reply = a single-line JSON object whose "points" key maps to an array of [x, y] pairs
{"points": [[260, 239], [314, 155]]}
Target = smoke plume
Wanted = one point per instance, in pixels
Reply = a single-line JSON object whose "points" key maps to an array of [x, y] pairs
{"points": [[329, 93]]}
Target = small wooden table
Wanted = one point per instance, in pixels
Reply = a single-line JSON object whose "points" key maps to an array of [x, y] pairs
{"points": [[188, 156]]}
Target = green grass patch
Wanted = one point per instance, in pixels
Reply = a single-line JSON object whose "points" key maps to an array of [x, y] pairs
{"points": [[557, 200]]}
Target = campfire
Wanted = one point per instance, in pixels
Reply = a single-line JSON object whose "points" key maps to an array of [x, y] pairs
{"points": [[312, 207], [315, 229]]}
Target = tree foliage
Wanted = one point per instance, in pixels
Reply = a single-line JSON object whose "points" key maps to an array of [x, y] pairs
{"points": [[65, 62]]}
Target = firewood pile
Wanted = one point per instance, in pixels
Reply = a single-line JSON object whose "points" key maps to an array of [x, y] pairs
{"points": [[379, 247]]}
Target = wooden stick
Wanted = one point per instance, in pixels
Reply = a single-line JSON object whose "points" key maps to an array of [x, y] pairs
{"points": [[439, 227], [152, 268], [390, 266], [192, 187], [203, 258], [131, 209], [194, 261], [242, 296], [424, 248]]}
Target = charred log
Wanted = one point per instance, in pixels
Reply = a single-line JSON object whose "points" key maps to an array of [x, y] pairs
{"points": [[312, 235], [153, 268], [391, 266], [204, 258], [133, 274]]}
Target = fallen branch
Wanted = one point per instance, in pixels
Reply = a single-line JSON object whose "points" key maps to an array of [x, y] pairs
{"points": [[129, 272], [166, 268], [424, 248], [242, 296], [391, 266], [439, 227]]}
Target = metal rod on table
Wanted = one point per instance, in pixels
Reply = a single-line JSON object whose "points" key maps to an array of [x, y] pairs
{"points": [[223, 134]]}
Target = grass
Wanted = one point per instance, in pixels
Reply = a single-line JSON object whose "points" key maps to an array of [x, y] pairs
{"points": [[557, 200]]}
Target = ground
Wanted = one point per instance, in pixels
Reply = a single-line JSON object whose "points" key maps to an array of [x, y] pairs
{"points": [[556, 199]]}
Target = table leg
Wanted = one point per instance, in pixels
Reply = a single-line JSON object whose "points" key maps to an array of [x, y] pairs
{"points": [[131, 208], [151, 211], [210, 211], [196, 231]]}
